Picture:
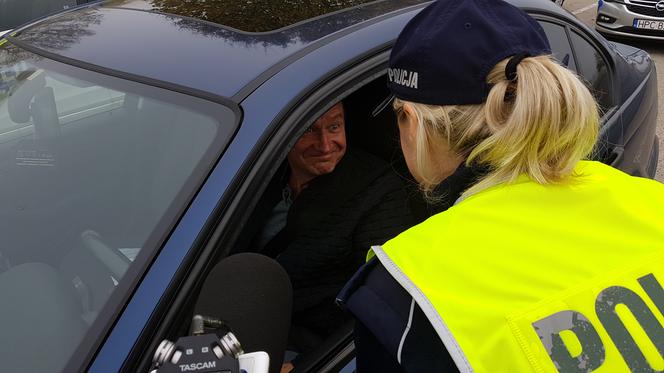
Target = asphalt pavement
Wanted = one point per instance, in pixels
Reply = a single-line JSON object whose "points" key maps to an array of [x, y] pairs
{"points": [[586, 10]]}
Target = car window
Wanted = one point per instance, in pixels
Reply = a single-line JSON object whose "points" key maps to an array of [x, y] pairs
{"points": [[593, 68], [94, 172], [559, 42]]}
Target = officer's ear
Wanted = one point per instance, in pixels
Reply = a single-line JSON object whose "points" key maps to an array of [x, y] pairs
{"points": [[407, 117]]}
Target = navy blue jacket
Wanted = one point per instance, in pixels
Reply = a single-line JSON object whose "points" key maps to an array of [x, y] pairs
{"points": [[392, 334]]}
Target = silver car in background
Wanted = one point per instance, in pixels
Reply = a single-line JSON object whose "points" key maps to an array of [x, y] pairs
{"points": [[631, 18]]}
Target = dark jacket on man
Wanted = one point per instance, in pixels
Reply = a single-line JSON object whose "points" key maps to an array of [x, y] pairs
{"points": [[392, 334], [330, 227]]}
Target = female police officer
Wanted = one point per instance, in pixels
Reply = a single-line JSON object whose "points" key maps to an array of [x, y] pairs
{"points": [[545, 262]]}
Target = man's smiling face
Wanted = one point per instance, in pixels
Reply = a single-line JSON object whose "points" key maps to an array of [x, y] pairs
{"points": [[321, 147]]}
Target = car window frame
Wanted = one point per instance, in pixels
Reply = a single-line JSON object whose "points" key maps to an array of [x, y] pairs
{"points": [[611, 94], [567, 40], [589, 37]]}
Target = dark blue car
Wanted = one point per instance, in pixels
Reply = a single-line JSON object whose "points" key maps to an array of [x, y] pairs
{"points": [[136, 137]]}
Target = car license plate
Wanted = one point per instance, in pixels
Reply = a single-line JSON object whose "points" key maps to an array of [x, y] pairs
{"points": [[648, 24]]}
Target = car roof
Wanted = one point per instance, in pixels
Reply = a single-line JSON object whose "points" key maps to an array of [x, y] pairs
{"points": [[130, 38], [249, 15], [133, 39]]}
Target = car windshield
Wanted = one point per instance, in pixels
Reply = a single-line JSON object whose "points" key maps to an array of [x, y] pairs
{"points": [[17, 12], [94, 173]]}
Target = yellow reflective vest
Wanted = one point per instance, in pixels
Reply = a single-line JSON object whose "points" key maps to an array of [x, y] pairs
{"points": [[523, 277]]}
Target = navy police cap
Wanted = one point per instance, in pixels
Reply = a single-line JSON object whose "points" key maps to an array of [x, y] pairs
{"points": [[444, 54]]}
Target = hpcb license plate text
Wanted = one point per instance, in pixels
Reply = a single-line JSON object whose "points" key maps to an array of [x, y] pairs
{"points": [[649, 25]]}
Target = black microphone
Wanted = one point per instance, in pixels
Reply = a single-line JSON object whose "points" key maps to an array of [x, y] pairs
{"points": [[253, 295]]}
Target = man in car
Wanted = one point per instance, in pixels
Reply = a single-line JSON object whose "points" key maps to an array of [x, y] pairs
{"points": [[319, 217]]}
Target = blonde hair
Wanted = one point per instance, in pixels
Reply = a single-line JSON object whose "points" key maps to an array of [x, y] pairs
{"points": [[540, 125]]}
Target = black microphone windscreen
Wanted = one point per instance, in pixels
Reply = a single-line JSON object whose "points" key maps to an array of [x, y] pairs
{"points": [[253, 294]]}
